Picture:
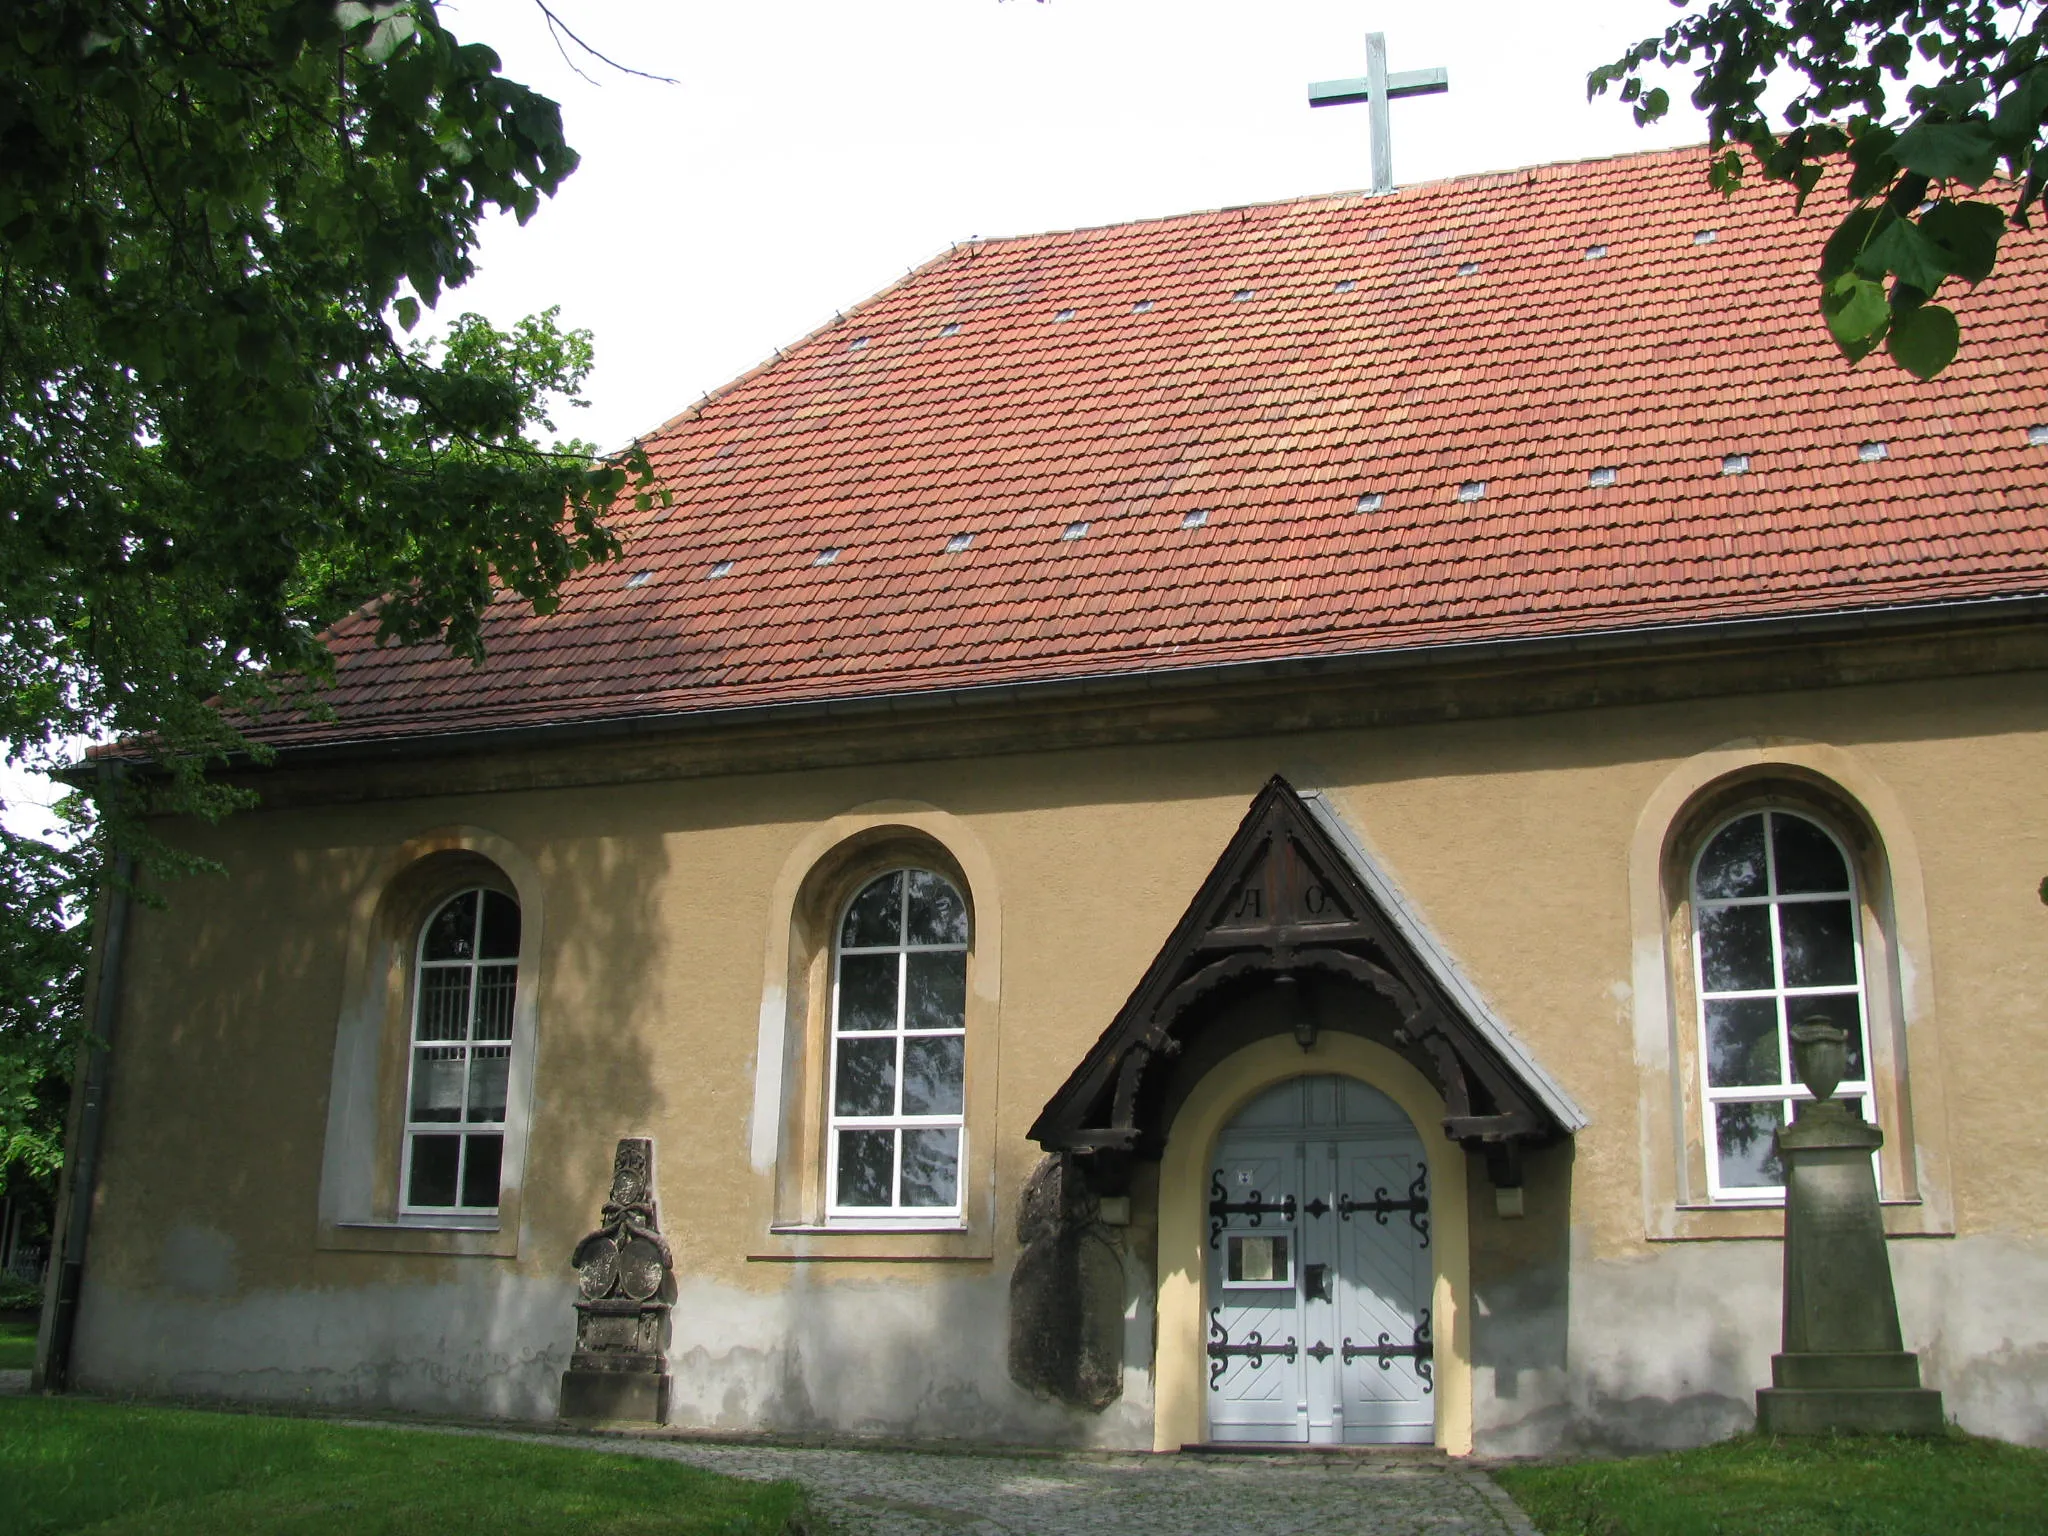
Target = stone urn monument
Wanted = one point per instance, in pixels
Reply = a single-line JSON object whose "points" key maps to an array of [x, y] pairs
{"points": [[1843, 1364], [624, 1270]]}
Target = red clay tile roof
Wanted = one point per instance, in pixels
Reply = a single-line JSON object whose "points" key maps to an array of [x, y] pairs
{"points": [[1266, 368]]}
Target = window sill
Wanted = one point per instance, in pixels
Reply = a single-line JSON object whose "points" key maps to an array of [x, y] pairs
{"points": [[417, 1234], [856, 1224], [1765, 1222], [933, 1243]]}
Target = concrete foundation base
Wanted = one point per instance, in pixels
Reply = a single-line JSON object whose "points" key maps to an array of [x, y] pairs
{"points": [[1849, 1410], [639, 1397], [1875, 1392]]}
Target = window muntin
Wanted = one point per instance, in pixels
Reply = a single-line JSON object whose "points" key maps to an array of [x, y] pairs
{"points": [[1775, 940], [466, 976], [899, 1043]]}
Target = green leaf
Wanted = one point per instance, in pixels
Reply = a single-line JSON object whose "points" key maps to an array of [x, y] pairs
{"points": [[1856, 313], [349, 15], [1924, 341], [386, 37], [1872, 164], [408, 310], [1967, 235], [1655, 104], [1899, 248], [1965, 152], [1847, 242]]}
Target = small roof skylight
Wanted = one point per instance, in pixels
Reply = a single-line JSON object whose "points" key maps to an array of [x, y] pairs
{"points": [[1870, 453], [856, 344], [1371, 501], [1074, 531], [1345, 285], [1467, 268], [2037, 437], [1734, 463], [1141, 306], [826, 556], [1065, 314], [1603, 476], [639, 578], [1194, 519], [950, 328], [1471, 490], [1244, 294], [1595, 252], [959, 542], [723, 568], [1705, 236]]}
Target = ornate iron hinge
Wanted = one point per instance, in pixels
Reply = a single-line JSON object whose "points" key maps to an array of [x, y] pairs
{"points": [[1222, 1207], [1381, 1205], [1386, 1351], [1254, 1348]]}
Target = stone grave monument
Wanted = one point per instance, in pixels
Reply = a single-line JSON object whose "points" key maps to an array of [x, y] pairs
{"points": [[624, 1270], [1843, 1365]]}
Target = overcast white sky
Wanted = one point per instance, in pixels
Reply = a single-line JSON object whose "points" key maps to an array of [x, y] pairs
{"points": [[813, 150]]}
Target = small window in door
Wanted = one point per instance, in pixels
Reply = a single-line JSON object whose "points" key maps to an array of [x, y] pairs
{"points": [[1261, 1262]]}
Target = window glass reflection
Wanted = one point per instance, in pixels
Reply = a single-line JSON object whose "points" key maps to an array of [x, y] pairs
{"points": [[876, 916], [464, 1010], [933, 1074], [899, 1046], [1733, 863], [931, 1168], [937, 914], [867, 992], [865, 1171], [1775, 929], [1748, 1147]]}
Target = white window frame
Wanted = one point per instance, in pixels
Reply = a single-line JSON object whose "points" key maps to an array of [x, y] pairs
{"points": [[894, 1217], [1788, 1091], [463, 1129]]}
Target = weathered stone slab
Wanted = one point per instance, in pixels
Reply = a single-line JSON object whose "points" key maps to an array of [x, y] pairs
{"points": [[1849, 1410], [1843, 1367], [624, 1270]]}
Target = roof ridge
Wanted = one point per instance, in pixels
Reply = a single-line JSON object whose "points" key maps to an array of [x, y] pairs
{"points": [[1305, 199]]}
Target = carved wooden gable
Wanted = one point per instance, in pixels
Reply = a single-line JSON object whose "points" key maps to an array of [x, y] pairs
{"points": [[1284, 900]]}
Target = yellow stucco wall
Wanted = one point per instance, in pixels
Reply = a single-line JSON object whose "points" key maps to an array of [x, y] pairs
{"points": [[1512, 836]]}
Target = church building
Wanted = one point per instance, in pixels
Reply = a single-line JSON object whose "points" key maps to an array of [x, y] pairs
{"points": [[1199, 831]]}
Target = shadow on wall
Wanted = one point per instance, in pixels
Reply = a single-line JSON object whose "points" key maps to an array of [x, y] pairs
{"points": [[202, 1261]]}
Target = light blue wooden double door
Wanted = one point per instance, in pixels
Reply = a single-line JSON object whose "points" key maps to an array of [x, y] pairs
{"points": [[1319, 1271]]}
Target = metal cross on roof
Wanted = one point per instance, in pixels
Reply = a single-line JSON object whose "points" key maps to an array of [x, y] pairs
{"points": [[1376, 90]]}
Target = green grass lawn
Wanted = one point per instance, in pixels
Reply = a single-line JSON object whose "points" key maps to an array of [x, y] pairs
{"points": [[17, 1346], [1849, 1486], [119, 1470]]}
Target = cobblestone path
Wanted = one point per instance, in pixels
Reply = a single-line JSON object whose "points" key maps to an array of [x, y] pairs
{"points": [[929, 1493]]}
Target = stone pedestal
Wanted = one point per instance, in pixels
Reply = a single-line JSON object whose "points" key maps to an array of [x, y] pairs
{"points": [[619, 1370], [1843, 1366]]}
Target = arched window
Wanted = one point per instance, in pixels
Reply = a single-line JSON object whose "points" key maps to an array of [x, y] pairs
{"points": [[465, 979], [1777, 939], [899, 1046]]}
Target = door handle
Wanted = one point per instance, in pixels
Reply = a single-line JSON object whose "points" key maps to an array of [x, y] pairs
{"points": [[1317, 1280]]}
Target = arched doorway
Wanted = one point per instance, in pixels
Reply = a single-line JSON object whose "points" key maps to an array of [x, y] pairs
{"points": [[1319, 1272]]}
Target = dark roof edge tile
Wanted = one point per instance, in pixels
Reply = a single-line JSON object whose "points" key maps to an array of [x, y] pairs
{"points": [[1964, 612]]}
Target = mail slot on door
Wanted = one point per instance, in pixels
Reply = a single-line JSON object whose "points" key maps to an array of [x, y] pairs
{"points": [[1316, 1279]]}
